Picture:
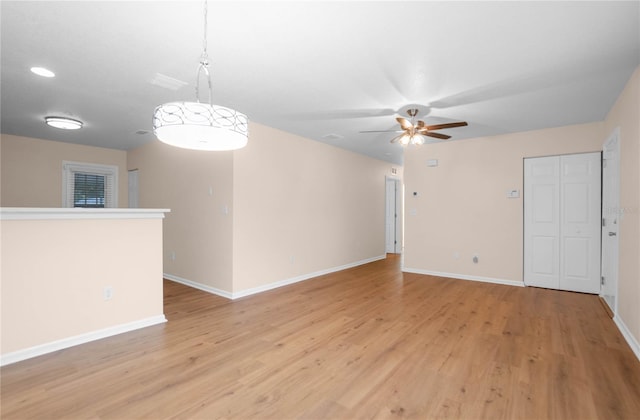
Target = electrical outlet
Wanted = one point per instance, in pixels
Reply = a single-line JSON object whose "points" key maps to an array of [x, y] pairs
{"points": [[172, 255], [107, 293]]}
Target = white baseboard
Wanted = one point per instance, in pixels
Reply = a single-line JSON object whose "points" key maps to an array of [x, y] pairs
{"points": [[270, 286], [463, 277], [633, 343], [64, 343], [199, 286], [304, 277]]}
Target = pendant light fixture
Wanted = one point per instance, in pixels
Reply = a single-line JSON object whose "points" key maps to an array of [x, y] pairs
{"points": [[197, 125]]}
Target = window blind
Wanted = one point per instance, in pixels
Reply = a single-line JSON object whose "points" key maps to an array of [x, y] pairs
{"points": [[88, 190], [89, 185]]}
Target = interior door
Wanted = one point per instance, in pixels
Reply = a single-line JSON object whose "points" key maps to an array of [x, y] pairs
{"points": [[562, 222], [541, 222], [580, 188], [610, 219]]}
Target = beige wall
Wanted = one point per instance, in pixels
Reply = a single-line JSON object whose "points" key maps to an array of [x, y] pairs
{"points": [[31, 170], [197, 187], [282, 207], [625, 114], [53, 278], [461, 208], [302, 207]]}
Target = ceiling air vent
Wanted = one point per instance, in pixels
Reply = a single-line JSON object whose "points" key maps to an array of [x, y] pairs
{"points": [[167, 82], [332, 136]]}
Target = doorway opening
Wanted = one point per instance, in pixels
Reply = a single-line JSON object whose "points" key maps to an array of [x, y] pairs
{"points": [[610, 219], [393, 219]]}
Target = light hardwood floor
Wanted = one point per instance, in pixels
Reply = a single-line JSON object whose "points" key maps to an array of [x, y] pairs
{"points": [[368, 342]]}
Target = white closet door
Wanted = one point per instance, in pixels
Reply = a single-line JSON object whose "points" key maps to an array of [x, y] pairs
{"points": [[562, 222], [541, 222], [580, 222]]}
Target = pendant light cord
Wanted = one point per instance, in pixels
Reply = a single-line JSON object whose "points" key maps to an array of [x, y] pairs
{"points": [[204, 62]]}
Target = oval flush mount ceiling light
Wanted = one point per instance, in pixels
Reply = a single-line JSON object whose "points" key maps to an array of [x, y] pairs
{"points": [[63, 123], [41, 71]]}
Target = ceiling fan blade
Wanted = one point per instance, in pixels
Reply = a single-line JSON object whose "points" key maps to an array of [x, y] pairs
{"points": [[420, 124], [404, 123], [435, 135], [381, 131], [396, 139], [447, 125]]}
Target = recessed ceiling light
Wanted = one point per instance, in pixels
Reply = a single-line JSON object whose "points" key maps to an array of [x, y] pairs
{"points": [[41, 71], [63, 123]]}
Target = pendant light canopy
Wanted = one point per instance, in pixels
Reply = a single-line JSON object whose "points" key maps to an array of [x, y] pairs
{"points": [[197, 125]]}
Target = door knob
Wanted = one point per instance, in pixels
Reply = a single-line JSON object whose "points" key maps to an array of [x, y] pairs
{"points": [[612, 234]]}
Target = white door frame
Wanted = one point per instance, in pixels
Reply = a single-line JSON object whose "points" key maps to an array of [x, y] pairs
{"points": [[133, 188], [610, 219], [393, 219]]}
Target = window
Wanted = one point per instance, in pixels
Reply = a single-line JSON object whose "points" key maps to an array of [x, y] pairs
{"points": [[89, 185]]}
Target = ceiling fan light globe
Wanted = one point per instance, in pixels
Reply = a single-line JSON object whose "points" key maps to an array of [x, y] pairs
{"points": [[417, 139], [405, 140]]}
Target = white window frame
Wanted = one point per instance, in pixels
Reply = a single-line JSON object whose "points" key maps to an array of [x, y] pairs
{"points": [[110, 172]]}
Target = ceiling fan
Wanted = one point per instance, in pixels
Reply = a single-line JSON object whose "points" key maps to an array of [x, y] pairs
{"points": [[414, 132]]}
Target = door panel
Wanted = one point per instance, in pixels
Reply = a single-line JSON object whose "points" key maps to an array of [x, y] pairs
{"points": [[544, 248], [576, 251], [542, 227], [580, 222], [575, 203], [544, 204]]}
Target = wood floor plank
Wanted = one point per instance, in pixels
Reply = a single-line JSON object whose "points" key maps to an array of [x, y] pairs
{"points": [[368, 342]]}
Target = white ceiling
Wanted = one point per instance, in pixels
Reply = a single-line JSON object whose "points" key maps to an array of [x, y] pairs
{"points": [[317, 68]]}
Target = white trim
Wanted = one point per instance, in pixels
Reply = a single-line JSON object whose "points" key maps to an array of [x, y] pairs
{"points": [[269, 286], [397, 219], [463, 277], [614, 138], [631, 340], [304, 277], [25, 213], [199, 286], [64, 343]]}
